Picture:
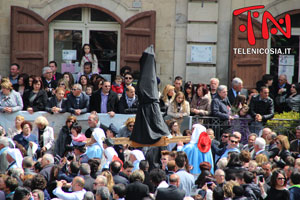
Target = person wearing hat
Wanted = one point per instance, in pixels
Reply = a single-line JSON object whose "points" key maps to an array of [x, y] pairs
{"points": [[95, 145], [135, 157], [79, 151], [198, 150]]}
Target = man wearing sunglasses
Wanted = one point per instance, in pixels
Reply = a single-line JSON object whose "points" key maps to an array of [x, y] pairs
{"points": [[231, 145], [128, 81]]}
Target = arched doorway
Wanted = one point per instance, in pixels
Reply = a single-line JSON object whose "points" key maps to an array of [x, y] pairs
{"points": [[30, 35], [71, 29]]}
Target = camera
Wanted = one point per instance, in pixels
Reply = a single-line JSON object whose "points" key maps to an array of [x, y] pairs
{"points": [[70, 157]]}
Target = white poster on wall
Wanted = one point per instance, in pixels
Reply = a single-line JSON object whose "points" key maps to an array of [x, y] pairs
{"points": [[201, 54], [286, 66], [69, 54]]}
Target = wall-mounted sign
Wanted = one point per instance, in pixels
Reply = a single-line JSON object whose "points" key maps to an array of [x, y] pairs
{"points": [[69, 54], [201, 54]]}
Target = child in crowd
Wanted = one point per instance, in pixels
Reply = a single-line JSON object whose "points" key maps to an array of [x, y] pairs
{"points": [[117, 86], [89, 90], [77, 136], [241, 123], [89, 56]]}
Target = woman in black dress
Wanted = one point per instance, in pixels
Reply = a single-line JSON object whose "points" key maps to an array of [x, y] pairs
{"points": [[278, 189]]}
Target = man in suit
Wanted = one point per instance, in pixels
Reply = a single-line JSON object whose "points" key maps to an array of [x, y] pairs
{"points": [[220, 105], [56, 75], [259, 148], [85, 171], [4, 146], [237, 89], [77, 101], [136, 190], [115, 168], [129, 102], [172, 192], [105, 100]]}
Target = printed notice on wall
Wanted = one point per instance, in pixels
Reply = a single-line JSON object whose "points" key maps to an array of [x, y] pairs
{"points": [[69, 54], [201, 54], [286, 66]]}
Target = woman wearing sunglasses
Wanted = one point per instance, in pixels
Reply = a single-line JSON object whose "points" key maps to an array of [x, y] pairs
{"points": [[283, 145], [128, 128], [278, 189]]}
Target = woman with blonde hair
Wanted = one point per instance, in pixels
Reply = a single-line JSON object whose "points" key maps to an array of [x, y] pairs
{"points": [[282, 143], [228, 189], [10, 100], [127, 129], [110, 180], [168, 96], [179, 107], [17, 129], [57, 103], [44, 133], [63, 83]]}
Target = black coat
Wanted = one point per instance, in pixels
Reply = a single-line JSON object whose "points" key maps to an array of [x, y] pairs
{"points": [[52, 101], [112, 102], [170, 193], [51, 85], [38, 104], [136, 191], [263, 107], [120, 179], [62, 141], [123, 106]]}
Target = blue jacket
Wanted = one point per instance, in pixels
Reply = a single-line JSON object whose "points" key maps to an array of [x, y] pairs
{"points": [[25, 141]]}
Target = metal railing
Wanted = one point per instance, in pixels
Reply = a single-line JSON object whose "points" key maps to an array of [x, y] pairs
{"points": [[280, 126]]}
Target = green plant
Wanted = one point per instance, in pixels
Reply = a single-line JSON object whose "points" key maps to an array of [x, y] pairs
{"points": [[285, 123]]}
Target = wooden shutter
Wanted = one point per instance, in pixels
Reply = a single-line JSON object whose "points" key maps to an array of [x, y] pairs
{"points": [[250, 68], [29, 40], [138, 32]]}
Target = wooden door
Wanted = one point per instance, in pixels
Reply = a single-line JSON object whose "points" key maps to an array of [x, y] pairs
{"points": [[249, 67], [138, 32], [29, 40]]}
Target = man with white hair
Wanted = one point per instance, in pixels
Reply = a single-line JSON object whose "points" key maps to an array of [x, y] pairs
{"points": [[99, 182], [77, 101], [259, 148], [213, 86], [4, 146], [237, 89], [282, 89], [47, 163], [220, 105], [48, 82], [102, 193]]}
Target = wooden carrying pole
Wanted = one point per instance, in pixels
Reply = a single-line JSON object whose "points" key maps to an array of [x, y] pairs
{"points": [[164, 141]]}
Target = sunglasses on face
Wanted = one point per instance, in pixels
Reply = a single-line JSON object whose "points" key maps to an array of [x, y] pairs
{"points": [[280, 178], [74, 89], [130, 126], [234, 142], [128, 78], [225, 136]]}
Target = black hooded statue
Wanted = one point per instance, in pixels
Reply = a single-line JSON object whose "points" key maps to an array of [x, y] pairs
{"points": [[149, 125]]}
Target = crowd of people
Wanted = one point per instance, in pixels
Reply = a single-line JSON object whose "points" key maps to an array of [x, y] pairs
{"points": [[249, 161]]}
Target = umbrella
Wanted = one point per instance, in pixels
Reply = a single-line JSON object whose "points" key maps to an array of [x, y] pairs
{"points": [[149, 125]]}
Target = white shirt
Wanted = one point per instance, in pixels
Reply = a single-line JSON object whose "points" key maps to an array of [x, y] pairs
{"points": [[78, 195]]}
